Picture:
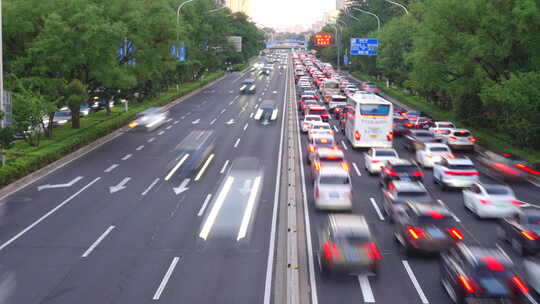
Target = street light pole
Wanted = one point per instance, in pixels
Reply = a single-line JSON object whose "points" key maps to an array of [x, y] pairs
{"points": [[369, 13], [337, 39], [3, 121], [399, 4], [178, 18]]}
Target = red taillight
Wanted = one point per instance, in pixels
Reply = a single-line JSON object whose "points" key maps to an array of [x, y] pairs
{"points": [[391, 173], [415, 232], [492, 263], [356, 135], [485, 202], [452, 138], [466, 283], [462, 173], [472, 139], [317, 165], [455, 233], [317, 193], [418, 173], [505, 168], [520, 285], [529, 235], [372, 251], [311, 148], [408, 125], [517, 203], [527, 169], [390, 136], [374, 161], [331, 252]]}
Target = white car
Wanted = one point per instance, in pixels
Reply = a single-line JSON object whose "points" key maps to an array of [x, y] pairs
{"points": [[328, 157], [431, 153], [440, 133], [375, 159], [308, 119], [460, 139], [442, 125], [455, 172], [319, 128], [490, 200], [333, 189]]}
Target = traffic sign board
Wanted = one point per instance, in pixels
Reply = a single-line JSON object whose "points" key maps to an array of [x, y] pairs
{"points": [[364, 46]]}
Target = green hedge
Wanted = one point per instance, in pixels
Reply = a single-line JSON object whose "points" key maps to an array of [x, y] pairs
{"points": [[23, 159], [496, 142]]}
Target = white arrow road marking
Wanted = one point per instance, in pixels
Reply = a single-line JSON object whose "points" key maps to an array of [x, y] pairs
{"points": [[356, 169], [196, 121], [94, 245], [121, 185], [128, 156], [112, 167], [139, 148], [249, 208], [381, 217], [41, 219], [66, 185], [150, 187], [176, 167], [182, 187], [165, 279], [215, 208], [201, 172], [224, 167], [206, 201], [367, 293], [213, 121], [230, 122], [415, 282]]}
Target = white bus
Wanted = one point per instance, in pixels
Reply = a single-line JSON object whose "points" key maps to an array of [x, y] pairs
{"points": [[369, 121]]}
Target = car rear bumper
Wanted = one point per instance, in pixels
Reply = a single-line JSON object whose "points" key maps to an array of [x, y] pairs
{"points": [[458, 183], [459, 146], [333, 204], [494, 212]]}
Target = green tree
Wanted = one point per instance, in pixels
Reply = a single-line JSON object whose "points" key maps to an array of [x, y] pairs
{"points": [[76, 95]]}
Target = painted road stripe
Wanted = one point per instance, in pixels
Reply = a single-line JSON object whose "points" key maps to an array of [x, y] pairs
{"points": [[207, 227], [94, 245], [176, 122], [139, 148], [223, 111], [335, 128], [242, 232], [224, 167], [128, 156], [176, 167], [236, 143], [206, 201], [367, 293], [213, 121], [245, 126], [25, 230], [151, 139], [161, 133], [201, 172], [150, 187], [112, 167], [415, 282], [374, 203], [165, 279], [344, 145], [168, 127], [356, 169]]}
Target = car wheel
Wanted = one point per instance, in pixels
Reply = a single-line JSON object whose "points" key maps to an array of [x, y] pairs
{"points": [[516, 245]]}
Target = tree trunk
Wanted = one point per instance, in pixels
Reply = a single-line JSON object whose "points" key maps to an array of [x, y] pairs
{"points": [[49, 132], [75, 119]]}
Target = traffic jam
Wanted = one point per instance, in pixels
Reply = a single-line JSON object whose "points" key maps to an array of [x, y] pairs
{"points": [[391, 193]]}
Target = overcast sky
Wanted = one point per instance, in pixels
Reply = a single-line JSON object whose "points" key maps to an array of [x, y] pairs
{"points": [[285, 13]]}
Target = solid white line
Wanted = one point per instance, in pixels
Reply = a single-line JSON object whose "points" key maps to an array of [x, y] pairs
{"points": [[356, 169], [213, 121], [335, 128], [381, 217], [530, 298], [245, 126], [128, 156], [165, 279], [151, 139], [236, 143], [139, 148], [201, 172], [150, 187], [535, 184], [224, 167], [223, 111], [168, 128], [94, 245], [25, 230], [230, 103], [112, 167], [161, 133], [215, 209], [251, 115], [206, 201], [242, 232], [415, 282], [344, 145], [176, 122], [270, 263], [367, 293], [176, 167]]}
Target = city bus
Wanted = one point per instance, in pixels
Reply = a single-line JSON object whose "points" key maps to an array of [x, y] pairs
{"points": [[369, 121]]}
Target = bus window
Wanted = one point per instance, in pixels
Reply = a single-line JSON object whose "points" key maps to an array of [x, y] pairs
{"points": [[379, 110]]}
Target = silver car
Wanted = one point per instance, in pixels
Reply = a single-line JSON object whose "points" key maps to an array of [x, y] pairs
{"points": [[333, 189], [150, 119]]}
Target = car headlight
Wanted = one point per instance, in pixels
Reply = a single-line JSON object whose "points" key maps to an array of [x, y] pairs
{"points": [[252, 88], [133, 124]]}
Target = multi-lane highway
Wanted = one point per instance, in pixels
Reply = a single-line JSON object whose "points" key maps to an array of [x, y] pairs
{"points": [[113, 227]]}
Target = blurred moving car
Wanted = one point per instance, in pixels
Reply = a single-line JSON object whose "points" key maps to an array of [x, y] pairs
{"points": [[532, 272], [308, 120], [522, 231], [431, 153], [319, 141], [318, 110], [415, 139], [505, 166], [441, 125], [248, 87], [455, 172], [347, 246], [267, 111], [460, 139], [61, 118], [400, 169], [328, 157], [400, 126], [369, 87], [490, 200], [149, 119], [485, 274], [193, 151], [397, 193], [332, 189], [375, 159], [319, 128], [426, 228]]}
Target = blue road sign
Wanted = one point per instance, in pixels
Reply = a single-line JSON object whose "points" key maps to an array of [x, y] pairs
{"points": [[364, 46], [345, 59]]}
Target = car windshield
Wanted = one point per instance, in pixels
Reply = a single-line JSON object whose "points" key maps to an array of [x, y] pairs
{"points": [[404, 169], [462, 134], [423, 134], [313, 118], [324, 142], [334, 180], [438, 220], [385, 153]]}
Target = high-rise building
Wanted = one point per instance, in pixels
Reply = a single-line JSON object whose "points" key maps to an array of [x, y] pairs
{"points": [[238, 5]]}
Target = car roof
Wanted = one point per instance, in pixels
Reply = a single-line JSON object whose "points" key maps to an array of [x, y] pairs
{"points": [[268, 103], [407, 186], [430, 209], [476, 254], [460, 130], [349, 224], [436, 145], [312, 116], [459, 160], [400, 162], [317, 107], [333, 171], [322, 135], [324, 152]]}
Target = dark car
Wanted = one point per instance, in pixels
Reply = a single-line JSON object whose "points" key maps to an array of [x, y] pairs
{"points": [[399, 126], [397, 193], [429, 228], [505, 166], [248, 87], [522, 231], [318, 110], [192, 152], [347, 246], [484, 274], [337, 111], [400, 169], [415, 138], [267, 112]]}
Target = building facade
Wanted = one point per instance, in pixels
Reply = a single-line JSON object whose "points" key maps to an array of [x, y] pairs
{"points": [[238, 5]]}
